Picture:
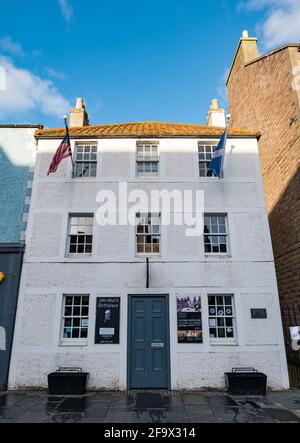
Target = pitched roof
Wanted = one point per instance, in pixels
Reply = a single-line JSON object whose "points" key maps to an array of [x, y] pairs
{"points": [[144, 129]]}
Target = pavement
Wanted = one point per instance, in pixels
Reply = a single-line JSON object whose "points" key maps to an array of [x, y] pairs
{"points": [[149, 407]]}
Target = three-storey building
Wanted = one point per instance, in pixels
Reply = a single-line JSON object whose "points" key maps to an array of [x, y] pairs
{"points": [[143, 304]]}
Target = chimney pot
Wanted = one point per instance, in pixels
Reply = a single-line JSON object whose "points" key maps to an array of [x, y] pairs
{"points": [[79, 103], [214, 104], [245, 34]]}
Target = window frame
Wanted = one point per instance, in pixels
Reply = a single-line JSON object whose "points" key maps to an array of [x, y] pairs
{"points": [[212, 145], [222, 340], [68, 240], [147, 254], [150, 161], [83, 145], [74, 341], [226, 234]]}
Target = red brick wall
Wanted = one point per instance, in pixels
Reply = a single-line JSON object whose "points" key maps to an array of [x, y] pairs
{"points": [[261, 97]]}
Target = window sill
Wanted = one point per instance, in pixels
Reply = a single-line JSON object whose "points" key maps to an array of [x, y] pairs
{"points": [[148, 177], [78, 255], [84, 178], [73, 343], [223, 343], [149, 255], [215, 254]]}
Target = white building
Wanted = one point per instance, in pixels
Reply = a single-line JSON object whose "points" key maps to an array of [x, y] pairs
{"points": [[73, 265]]}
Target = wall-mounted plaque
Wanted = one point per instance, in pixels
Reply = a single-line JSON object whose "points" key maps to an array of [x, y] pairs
{"points": [[258, 313], [107, 320], [189, 324]]}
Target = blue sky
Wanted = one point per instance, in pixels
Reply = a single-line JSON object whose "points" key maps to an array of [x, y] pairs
{"points": [[131, 60]]}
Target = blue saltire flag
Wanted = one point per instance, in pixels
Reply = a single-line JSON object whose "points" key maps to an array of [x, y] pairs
{"points": [[216, 164]]}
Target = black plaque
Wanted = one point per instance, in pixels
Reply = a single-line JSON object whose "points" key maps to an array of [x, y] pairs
{"points": [[107, 320], [259, 313], [189, 324]]}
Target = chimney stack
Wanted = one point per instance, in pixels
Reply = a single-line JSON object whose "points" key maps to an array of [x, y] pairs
{"points": [[248, 46], [79, 115], [216, 115]]}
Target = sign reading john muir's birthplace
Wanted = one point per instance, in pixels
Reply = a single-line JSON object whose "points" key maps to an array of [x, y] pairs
{"points": [[107, 320]]}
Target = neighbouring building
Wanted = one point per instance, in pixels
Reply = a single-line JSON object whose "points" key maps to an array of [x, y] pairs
{"points": [[264, 93], [17, 158], [199, 306]]}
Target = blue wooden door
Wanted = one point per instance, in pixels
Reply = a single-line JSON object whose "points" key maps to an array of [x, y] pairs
{"points": [[148, 362]]}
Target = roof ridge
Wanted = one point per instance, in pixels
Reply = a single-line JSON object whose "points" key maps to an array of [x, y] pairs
{"points": [[145, 129]]}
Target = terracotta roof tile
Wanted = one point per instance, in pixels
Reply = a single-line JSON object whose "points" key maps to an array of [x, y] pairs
{"points": [[144, 129]]}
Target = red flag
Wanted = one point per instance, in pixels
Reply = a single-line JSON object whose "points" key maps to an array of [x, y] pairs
{"points": [[63, 151]]}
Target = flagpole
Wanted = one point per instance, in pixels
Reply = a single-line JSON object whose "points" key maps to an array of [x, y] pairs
{"points": [[225, 141], [67, 133]]}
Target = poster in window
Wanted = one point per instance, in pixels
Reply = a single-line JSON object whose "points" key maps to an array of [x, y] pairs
{"points": [[189, 325], [107, 320]]}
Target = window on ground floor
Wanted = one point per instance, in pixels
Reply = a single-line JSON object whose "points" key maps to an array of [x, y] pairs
{"points": [[75, 318], [221, 318]]}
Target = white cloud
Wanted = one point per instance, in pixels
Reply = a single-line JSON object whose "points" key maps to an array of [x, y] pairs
{"points": [[66, 10], [282, 21], [9, 46], [55, 74], [26, 92]]}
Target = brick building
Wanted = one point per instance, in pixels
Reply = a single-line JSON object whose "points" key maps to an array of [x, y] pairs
{"points": [[263, 94]]}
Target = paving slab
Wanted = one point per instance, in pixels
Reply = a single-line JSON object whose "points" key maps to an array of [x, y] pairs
{"points": [[150, 407]]}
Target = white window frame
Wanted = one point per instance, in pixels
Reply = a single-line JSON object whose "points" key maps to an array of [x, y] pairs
{"points": [[69, 235], [205, 161], [83, 144], [222, 340], [145, 159], [138, 234], [78, 341], [226, 234]]}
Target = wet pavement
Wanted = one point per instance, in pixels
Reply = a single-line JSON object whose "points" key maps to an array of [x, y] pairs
{"points": [[150, 407]]}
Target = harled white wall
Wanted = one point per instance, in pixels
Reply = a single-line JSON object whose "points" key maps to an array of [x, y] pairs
{"points": [[114, 270]]}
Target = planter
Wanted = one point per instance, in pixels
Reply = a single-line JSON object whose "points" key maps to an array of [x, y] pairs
{"points": [[246, 381], [67, 381]]}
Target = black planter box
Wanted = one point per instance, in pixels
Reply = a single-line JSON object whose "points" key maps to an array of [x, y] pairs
{"points": [[246, 381], [67, 381]]}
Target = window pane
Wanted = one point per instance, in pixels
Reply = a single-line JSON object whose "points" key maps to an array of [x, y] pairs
{"points": [[211, 300], [68, 311], [84, 310], [223, 248], [227, 300], [76, 310], [88, 249], [221, 332], [85, 300], [68, 300], [140, 248], [213, 332], [75, 333], [83, 333], [76, 321]]}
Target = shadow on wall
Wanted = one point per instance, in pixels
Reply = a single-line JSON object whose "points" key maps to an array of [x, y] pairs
{"points": [[13, 189], [285, 232]]}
